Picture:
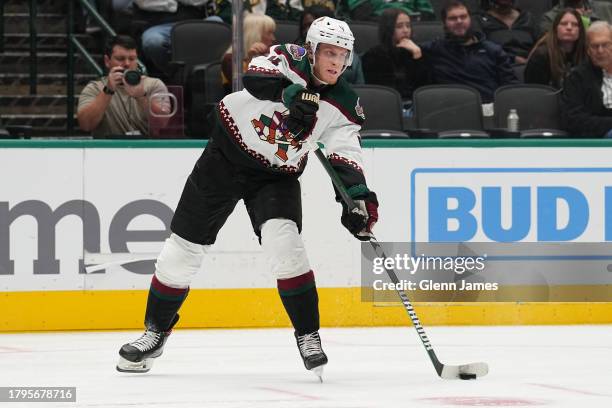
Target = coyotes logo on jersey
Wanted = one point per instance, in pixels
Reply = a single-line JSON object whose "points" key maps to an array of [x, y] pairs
{"points": [[297, 52], [274, 131]]}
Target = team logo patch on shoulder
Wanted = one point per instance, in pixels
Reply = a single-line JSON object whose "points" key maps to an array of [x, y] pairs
{"points": [[359, 110], [297, 52]]}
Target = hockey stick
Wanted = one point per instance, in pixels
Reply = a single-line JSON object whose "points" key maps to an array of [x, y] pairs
{"points": [[97, 261], [446, 371]]}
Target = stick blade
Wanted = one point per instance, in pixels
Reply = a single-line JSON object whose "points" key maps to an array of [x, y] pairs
{"points": [[464, 372]]}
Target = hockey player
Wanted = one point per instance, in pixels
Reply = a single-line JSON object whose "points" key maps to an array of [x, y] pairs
{"points": [[256, 153]]}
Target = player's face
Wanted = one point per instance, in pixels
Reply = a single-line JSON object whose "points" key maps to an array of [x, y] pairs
{"points": [[458, 21], [568, 29], [403, 29], [329, 61], [600, 48], [122, 57]]}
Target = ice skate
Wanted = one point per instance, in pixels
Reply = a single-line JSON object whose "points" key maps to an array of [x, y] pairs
{"points": [[312, 354], [138, 356]]}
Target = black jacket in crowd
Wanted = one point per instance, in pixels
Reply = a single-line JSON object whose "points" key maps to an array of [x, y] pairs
{"points": [[516, 40], [584, 114], [482, 65], [395, 68], [537, 70]]}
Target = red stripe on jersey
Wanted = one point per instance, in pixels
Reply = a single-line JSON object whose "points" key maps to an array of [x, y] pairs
{"points": [[343, 110], [335, 158], [296, 282], [263, 71], [166, 290]]}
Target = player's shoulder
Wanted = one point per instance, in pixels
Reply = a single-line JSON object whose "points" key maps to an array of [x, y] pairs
{"points": [[343, 97], [295, 55]]}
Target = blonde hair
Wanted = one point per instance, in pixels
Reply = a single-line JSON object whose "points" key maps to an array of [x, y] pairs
{"points": [[253, 27]]}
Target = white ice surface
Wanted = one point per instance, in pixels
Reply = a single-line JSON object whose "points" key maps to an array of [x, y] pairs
{"points": [[550, 366]]}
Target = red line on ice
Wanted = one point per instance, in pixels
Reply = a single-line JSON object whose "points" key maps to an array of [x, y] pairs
{"points": [[296, 394]]}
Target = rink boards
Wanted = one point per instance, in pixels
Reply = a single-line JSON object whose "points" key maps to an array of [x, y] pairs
{"points": [[64, 204]]}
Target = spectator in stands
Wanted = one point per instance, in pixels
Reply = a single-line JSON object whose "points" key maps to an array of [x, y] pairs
{"points": [[363, 10], [156, 41], [309, 15], [330, 4], [277, 9], [397, 61], [258, 35], [112, 107], [282, 9], [513, 29], [587, 91], [558, 51], [465, 57], [354, 73], [581, 6]]}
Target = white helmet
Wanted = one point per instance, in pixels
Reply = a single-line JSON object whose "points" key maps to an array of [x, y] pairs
{"points": [[328, 30]]}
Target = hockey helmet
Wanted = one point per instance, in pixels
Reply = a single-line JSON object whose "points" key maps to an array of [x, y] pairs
{"points": [[328, 30]]}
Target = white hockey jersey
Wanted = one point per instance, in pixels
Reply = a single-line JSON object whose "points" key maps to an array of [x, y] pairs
{"points": [[257, 125]]}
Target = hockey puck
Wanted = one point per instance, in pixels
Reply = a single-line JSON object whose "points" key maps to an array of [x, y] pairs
{"points": [[466, 376]]}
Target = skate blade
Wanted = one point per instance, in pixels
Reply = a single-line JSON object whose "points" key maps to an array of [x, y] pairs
{"points": [[126, 366], [318, 371]]}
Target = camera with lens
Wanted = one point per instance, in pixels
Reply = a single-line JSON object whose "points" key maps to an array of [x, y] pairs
{"points": [[132, 77]]}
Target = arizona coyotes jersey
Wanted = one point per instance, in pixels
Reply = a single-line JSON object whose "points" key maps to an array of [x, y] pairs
{"points": [[257, 126]]}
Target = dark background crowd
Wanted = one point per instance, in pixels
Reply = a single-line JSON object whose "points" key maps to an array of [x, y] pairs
{"points": [[562, 46]]}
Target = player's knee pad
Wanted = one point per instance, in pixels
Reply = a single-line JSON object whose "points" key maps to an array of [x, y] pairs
{"points": [[178, 262], [284, 248]]}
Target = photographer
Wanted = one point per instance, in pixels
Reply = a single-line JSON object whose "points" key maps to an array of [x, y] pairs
{"points": [[119, 104]]}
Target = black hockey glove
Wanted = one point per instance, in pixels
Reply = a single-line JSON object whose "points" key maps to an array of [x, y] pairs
{"points": [[361, 220], [302, 114]]}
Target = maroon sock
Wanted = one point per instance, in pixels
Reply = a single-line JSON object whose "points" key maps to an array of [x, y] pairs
{"points": [[301, 301], [163, 304]]}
